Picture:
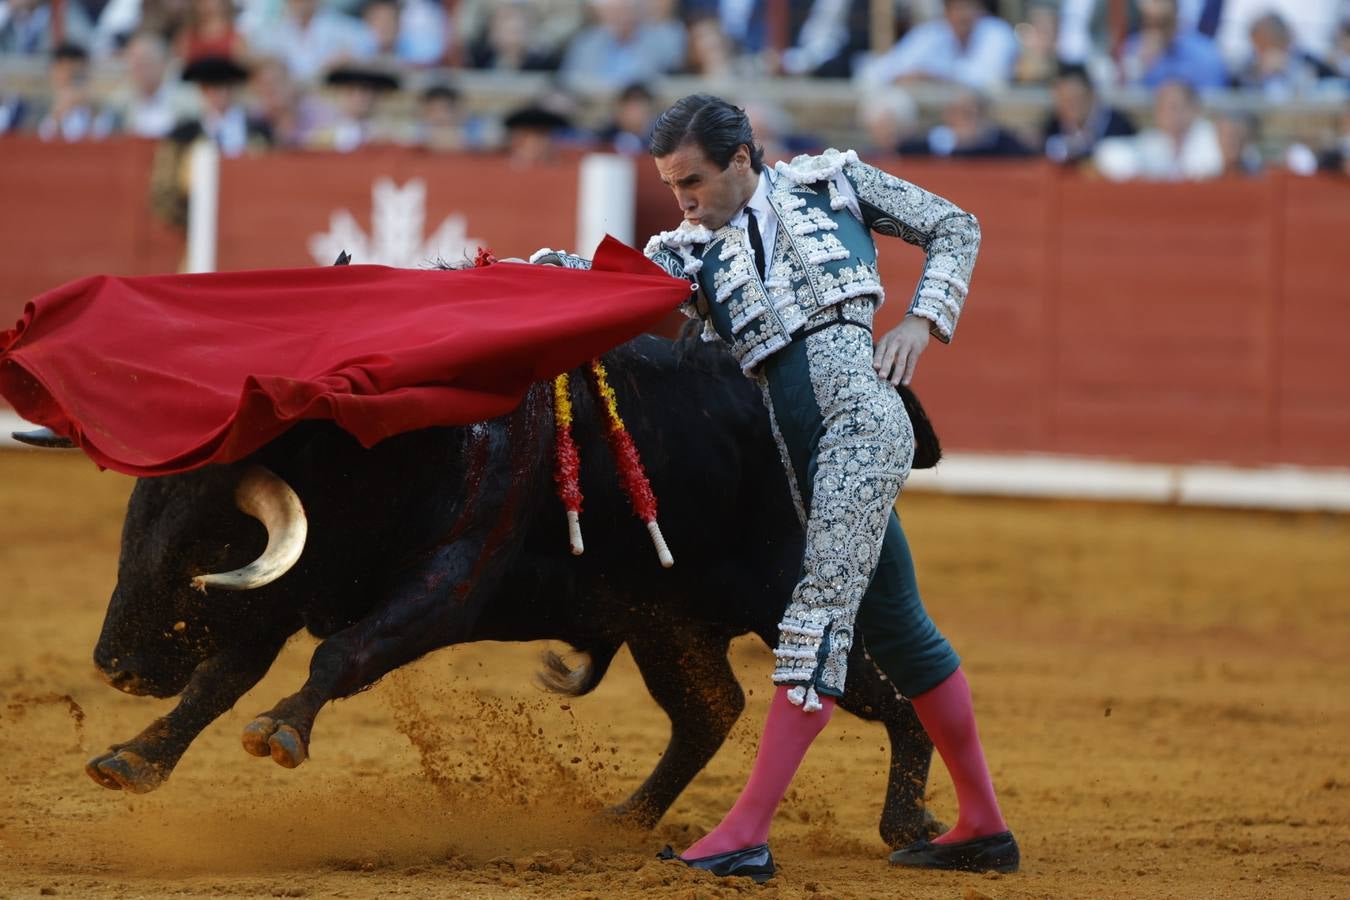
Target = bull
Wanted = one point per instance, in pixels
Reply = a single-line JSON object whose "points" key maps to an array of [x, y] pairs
{"points": [[447, 535]]}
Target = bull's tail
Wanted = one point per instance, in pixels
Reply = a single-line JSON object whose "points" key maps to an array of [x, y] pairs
{"points": [[927, 448], [560, 678]]}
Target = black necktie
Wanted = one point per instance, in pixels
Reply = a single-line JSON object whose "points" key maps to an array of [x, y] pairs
{"points": [[756, 242]]}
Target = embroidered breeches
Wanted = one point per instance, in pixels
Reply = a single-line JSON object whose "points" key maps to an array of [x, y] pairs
{"points": [[847, 445]]}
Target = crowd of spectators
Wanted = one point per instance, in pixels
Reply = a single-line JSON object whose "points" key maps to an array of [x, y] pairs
{"points": [[342, 74]]}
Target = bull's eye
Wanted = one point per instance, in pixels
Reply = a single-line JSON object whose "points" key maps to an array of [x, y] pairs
{"points": [[180, 626]]}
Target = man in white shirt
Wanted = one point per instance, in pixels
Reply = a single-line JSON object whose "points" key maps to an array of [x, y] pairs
{"points": [[311, 39], [1182, 145], [149, 102], [965, 45]]}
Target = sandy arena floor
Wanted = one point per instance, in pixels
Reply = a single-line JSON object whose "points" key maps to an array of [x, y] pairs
{"points": [[1163, 698]]}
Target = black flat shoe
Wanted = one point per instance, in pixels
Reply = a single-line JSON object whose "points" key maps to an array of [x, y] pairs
{"points": [[755, 863], [996, 852]]}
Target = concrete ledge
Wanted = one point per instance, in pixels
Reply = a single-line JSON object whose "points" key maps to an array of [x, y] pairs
{"points": [[1271, 487], [10, 421]]}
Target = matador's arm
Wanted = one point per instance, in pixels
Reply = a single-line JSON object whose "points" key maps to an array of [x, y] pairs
{"points": [[674, 252], [949, 235], [695, 307]]}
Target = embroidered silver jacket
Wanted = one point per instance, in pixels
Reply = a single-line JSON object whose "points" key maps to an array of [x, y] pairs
{"points": [[823, 255]]}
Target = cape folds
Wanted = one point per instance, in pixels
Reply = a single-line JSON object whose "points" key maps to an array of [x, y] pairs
{"points": [[160, 374]]}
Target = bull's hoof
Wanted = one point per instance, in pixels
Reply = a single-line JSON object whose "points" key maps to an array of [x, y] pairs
{"points": [[125, 770], [900, 834], [265, 736]]}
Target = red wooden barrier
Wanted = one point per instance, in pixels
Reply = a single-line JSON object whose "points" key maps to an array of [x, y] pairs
{"points": [[68, 210], [1156, 322], [1165, 322], [274, 210]]}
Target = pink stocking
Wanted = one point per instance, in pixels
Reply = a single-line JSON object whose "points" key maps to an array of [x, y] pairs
{"points": [[948, 716], [788, 732]]}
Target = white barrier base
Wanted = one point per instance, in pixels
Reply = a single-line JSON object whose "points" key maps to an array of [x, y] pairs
{"points": [[1071, 477], [10, 421], [1270, 487]]}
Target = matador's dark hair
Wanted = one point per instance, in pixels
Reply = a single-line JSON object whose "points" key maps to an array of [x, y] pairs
{"points": [[717, 127]]}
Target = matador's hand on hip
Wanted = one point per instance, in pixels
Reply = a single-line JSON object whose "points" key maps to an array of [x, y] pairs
{"points": [[897, 353]]}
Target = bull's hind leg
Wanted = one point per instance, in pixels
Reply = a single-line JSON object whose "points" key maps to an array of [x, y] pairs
{"points": [[685, 668], [868, 695]]}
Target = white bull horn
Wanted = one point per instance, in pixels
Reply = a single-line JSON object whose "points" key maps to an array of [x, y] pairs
{"points": [[267, 498]]}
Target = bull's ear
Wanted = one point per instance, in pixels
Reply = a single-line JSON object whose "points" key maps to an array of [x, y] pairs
{"points": [[344, 259], [43, 437]]}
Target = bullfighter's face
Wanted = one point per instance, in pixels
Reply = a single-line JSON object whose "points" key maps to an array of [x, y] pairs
{"points": [[708, 195]]}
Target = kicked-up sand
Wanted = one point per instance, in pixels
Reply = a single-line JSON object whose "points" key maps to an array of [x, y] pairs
{"points": [[1163, 694]]}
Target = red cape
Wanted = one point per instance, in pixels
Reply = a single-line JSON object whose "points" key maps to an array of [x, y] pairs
{"points": [[160, 374]]}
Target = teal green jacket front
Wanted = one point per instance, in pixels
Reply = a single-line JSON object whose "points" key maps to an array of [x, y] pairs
{"points": [[823, 255]]}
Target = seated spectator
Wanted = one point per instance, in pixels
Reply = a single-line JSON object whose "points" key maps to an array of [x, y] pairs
{"points": [[828, 34], [967, 131], [73, 115], [1181, 145], [506, 42], [744, 22], [1237, 134], [776, 132], [1277, 67], [1037, 61], [120, 19], [711, 53], [311, 39], [275, 99], [624, 45], [14, 113], [26, 26], [889, 117], [1312, 25], [631, 129], [832, 35], [440, 120], [221, 120], [1336, 158], [413, 32], [1302, 159], [1340, 51], [1078, 119], [965, 45], [532, 135], [548, 26], [289, 113], [356, 124], [1162, 51], [208, 30], [149, 101]]}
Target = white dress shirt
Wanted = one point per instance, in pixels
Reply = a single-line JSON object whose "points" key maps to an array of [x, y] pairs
{"points": [[767, 219]]}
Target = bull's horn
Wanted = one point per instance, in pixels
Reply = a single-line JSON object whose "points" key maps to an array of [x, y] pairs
{"points": [[267, 498], [42, 437]]}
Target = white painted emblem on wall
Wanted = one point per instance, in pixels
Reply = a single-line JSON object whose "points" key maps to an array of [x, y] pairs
{"points": [[397, 217]]}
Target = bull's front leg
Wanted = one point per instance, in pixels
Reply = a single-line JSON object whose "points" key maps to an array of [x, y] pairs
{"points": [[430, 610], [144, 763], [433, 603]]}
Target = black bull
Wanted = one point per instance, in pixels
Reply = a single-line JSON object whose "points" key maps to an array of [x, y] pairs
{"points": [[447, 535]]}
